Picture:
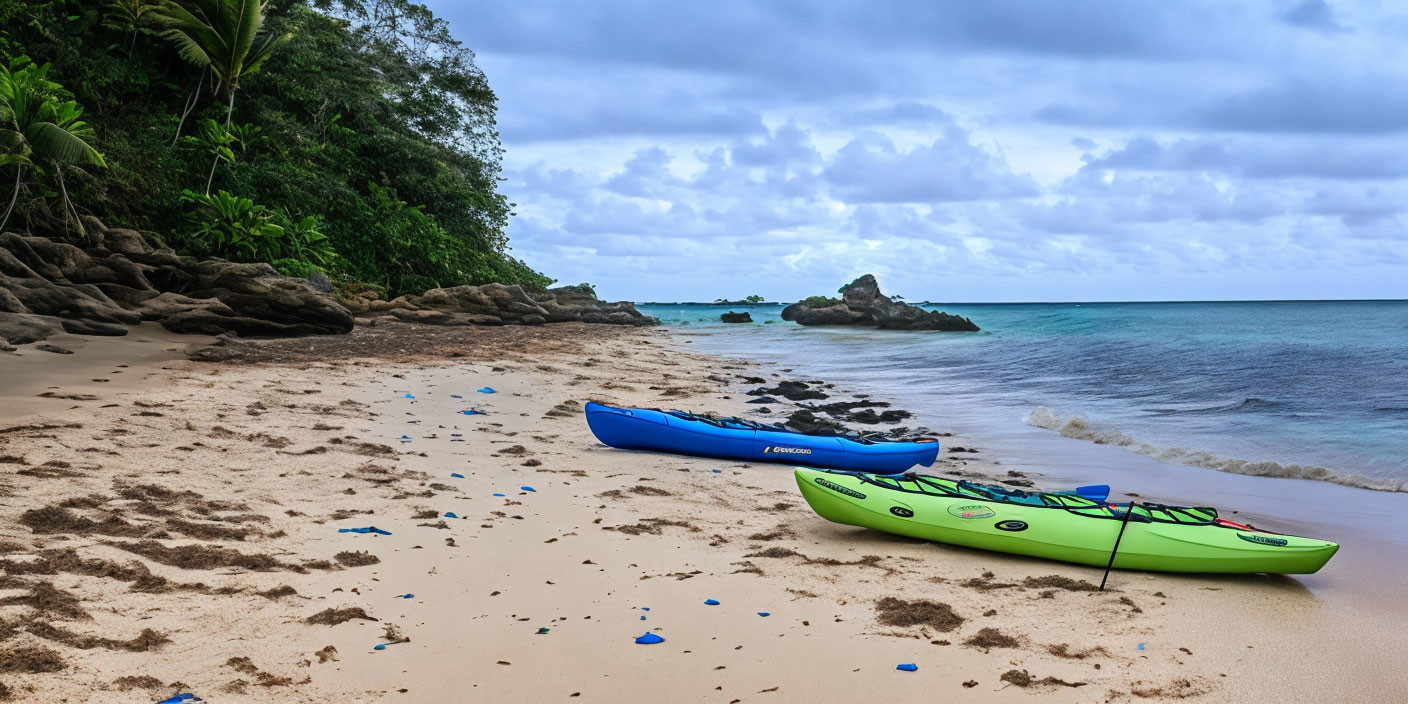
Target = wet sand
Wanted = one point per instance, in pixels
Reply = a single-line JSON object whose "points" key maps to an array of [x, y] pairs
{"points": [[176, 528]]}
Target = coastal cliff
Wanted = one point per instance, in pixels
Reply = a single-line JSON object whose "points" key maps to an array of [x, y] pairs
{"points": [[861, 303]]}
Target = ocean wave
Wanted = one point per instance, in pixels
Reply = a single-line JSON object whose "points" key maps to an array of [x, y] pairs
{"points": [[1079, 428], [1246, 405]]}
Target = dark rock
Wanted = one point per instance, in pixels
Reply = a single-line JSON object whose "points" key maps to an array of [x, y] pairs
{"points": [[790, 390], [497, 304], [31, 292], [830, 315], [320, 282], [804, 421], [264, 303], [126, 242], [92, 327], [46, 347], [861, 412], [732, 317], [23, 328], [862, 304], [764, 399]]}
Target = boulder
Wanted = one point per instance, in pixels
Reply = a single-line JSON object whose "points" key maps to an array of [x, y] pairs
{"points": [[24, 328], [499, 304], [5, 346], [35, 293], [862, 303], [92, 327], [263, 302], [732, 317], [129, 242], [320, 282]]}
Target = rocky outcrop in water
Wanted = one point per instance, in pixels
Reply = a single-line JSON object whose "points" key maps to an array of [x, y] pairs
{"points": [[497, 304], [861, 303], [732, 317], [117, 278]]}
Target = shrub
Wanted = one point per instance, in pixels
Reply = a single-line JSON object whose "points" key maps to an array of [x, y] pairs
{"points": [[237, 229]]}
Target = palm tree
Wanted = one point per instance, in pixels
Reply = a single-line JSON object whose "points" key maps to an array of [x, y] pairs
{"points": [[37, 131], [223, 36], [128, 16]]}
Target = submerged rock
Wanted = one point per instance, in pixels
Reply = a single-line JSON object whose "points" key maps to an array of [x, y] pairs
{"points": [[862, 304]]}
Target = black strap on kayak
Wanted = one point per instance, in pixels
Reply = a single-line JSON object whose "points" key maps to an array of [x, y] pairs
{"points": [[1129, 510]]}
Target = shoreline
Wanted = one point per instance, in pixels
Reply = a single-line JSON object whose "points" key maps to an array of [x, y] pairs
{"points": [[307, 445]]}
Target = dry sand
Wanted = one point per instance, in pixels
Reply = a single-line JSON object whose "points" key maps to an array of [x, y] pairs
{"points": [[176, 528]]}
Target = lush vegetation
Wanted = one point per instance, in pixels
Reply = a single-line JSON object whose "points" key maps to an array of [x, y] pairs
{"points": [[355, 136], [819, 302], [750, 300]]}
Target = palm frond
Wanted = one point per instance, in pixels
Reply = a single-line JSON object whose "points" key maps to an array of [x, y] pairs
{"points": [[55, 143]]}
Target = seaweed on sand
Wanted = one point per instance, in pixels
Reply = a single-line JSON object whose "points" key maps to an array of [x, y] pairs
{"points": [[892, 611]]}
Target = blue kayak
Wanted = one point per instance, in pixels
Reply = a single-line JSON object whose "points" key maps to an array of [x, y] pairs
{"points": [[734, 438]]}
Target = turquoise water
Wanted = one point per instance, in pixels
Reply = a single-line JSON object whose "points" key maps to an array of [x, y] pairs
{"points": [[1308, 390]]}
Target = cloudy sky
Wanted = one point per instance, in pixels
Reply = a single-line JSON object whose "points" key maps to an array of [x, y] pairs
{"points": [[1004, 150]]}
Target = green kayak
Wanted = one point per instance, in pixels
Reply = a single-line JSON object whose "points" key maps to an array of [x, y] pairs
{"points": [[1057, 526]]}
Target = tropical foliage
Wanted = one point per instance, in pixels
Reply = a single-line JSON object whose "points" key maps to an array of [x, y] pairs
{"points": [[364, 114], [40, 133], [235, 228]]}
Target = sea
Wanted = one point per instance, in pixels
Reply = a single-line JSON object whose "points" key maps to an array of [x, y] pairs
{"points": [[1286, 408]]}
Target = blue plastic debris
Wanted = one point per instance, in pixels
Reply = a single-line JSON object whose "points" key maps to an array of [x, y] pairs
{"points": [[368, 529], [650, 639], [528, 488], [717, 471], [499, 494], [410, 396], [379, 646], [1141, 646], [711, 602], [645, 608], [472, 412], [405, 438], [187, 697], [450, 514], [486, 390], [642, 618], [404, 596], [456, 396], [457, 475], [764, 614], [907, 667]]}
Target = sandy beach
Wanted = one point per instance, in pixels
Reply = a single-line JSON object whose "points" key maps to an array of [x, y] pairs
{"points": [[168, 525]]}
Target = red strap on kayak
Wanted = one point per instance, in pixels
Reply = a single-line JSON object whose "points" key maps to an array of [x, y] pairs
{"points": [[1225, 522]]}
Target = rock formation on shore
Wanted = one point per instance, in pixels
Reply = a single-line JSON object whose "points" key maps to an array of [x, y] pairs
{"points": [[497, 304], [861, 303], [118, 278]]}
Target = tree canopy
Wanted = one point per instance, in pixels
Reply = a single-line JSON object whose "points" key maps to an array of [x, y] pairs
{"points": [[365, 115]]}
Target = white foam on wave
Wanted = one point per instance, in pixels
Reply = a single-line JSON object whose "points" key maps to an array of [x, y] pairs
{"points": [[1080, 428]]}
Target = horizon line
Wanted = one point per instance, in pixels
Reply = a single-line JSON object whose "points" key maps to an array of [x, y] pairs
{"points": [[1010, 303]]}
